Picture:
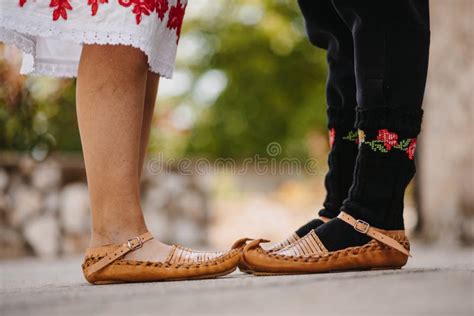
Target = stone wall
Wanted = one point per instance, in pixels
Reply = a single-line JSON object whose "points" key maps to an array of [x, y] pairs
{"points": [[445, 165], [44, 207]]}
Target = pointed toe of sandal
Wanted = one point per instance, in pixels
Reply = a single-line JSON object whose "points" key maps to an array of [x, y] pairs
{"points": [[240, 245]]}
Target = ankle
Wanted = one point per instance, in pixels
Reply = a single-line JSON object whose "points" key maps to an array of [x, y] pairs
{"points": [[115, 224], [115, 235]]}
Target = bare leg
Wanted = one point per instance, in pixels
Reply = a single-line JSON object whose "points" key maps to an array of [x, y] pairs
{"points": [[111, 90], [150, 98]]}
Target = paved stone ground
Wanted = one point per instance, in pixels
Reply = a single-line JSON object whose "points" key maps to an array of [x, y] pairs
{"points": [[435, 282]]}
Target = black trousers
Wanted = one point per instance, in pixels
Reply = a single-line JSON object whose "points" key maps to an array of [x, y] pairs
{"points": [[377, 53]]}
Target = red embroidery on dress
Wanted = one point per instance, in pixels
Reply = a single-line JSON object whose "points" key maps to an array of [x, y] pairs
{"points": [[95, 5], [332, 136], [411, 149], [389, 139], [162, 7], [139, 7], [175, 19], [60, 7]]}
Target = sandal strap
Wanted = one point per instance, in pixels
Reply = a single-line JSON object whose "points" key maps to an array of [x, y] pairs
{"points": [[364, 228], [131, 245]]}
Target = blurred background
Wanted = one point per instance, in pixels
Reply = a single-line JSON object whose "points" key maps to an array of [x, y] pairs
{"points": [[247, 85]]}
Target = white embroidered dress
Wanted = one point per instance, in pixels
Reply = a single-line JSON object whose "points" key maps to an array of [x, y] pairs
{"points": [[51, 32]]}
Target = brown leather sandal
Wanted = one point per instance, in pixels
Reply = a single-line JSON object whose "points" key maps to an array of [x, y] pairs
{"points": [[386, 250], [103, 265], [243, 267]]}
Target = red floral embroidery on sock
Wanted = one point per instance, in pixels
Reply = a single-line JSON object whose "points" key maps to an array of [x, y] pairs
{"points": [[162, 7], [95, 5], [389, 139], [175, 20], [60, 8], [411, 149], [332, 137], [21, 2]]}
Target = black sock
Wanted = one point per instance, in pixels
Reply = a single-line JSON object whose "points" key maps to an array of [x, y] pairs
{"points": [[383, 170], [341, 161], [306, 228], [385, 165]]}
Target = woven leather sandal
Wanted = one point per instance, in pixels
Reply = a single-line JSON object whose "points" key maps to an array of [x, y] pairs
{"points": [[386, 250], [243, 267], [104, 265]]}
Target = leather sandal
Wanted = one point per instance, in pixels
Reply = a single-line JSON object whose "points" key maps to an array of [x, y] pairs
{"points": [[106, 264], [388, 249], [243, 267]]}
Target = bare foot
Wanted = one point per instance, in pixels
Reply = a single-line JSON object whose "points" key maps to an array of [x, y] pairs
{"points": [[153, 251]]}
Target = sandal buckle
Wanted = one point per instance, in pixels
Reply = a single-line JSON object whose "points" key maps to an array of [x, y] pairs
{"points": [[138, 245], [365, 226]]}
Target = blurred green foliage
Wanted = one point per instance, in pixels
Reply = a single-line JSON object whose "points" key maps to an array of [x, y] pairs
{"points": [[272, 82], [39, 117], [276, 81]]}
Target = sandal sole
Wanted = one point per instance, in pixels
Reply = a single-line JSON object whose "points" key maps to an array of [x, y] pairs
{"points": [[256, 273], [202, 277]]}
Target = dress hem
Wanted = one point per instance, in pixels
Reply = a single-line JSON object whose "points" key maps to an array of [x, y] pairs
{"points": [[15, 35]]}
